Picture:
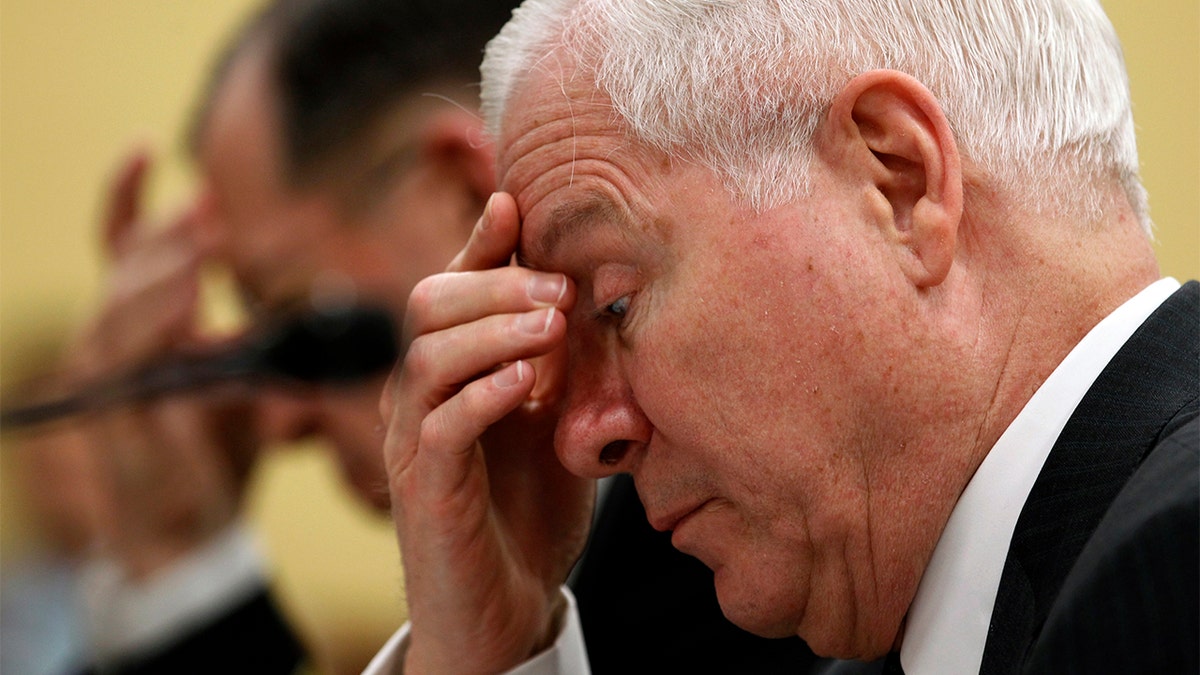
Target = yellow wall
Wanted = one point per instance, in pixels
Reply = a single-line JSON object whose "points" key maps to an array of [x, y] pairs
{"points": [[1162, 53], [82, 81]]}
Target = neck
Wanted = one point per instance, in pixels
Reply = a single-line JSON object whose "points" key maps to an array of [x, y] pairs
{"points": [[1021, 297], [1059, 280]]}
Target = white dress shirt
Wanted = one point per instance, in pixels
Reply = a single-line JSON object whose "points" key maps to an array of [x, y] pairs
{"points": [[125, 618], [567, 656], [948, 620]]}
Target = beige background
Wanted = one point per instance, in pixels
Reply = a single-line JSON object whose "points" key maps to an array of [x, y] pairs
{"points": [[81, 82]]}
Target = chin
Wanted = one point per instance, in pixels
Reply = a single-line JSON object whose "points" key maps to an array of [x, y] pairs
{"points": [[769, 613], [830, 639], [378, 500], [370, 488]]}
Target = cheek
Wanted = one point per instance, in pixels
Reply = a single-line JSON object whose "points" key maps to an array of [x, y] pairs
{"points": [[747, 371], [728, 353], [720, 412]]}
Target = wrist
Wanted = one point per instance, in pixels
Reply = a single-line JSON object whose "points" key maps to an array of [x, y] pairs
{"points": [[478, 653]]}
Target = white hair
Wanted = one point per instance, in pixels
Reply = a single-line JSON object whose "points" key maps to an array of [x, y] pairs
{"points": [[1035, 90]]}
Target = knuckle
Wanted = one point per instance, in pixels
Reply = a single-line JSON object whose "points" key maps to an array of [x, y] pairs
{"points": [[387, 399], [423, 295], [423, 301], [419, 361], [430, 434]]}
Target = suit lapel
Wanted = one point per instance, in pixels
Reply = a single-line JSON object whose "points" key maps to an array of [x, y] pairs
{"points": [[1131, 405]]}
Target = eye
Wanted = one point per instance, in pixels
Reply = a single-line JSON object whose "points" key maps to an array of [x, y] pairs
{"points": [[614, 287], [615, 312], [619, 307]]}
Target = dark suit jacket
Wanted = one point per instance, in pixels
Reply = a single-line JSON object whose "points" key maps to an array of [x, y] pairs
{"points": [[251, 638], [1103, 573]]}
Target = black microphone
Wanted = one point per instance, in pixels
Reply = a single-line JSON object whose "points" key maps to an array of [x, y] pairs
{"points": [[340, 346]]}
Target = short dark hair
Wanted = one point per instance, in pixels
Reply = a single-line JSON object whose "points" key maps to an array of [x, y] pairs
{"points": [[340, 66]]}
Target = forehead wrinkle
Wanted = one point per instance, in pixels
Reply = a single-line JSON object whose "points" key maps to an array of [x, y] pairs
{"points": [[552, 115], [580, 177], [568, 148], [549, 131], [601, 191]]}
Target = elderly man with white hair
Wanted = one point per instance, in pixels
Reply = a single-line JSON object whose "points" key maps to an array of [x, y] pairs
{"points": [[860, 293]]}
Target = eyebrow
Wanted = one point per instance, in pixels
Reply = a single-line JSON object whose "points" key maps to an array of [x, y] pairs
{"points": [[571, 221]]}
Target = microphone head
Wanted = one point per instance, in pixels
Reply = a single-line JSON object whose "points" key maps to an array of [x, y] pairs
{"points": [[343, 345]]}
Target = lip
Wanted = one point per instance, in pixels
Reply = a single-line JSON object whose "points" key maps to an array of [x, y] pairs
{"points": [[674, 519]]}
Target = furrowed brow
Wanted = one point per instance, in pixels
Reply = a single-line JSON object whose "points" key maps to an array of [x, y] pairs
{"points": [[569, 222]]}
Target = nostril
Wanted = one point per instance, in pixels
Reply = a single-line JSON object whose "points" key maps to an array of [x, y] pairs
{"points": [[613, 452]]}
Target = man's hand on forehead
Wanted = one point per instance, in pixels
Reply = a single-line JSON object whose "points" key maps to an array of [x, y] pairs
{"points": [[489, 519]]}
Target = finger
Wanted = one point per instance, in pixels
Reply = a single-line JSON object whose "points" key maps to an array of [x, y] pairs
{"points": [[494, 239], [124, 201], [164, 260], [145, 316], [171, 252], [444, 360], [437, 366], [449, 299], [552, 371], [446, 450], [153, 296]]}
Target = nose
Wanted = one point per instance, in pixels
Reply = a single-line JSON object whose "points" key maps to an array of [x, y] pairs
{"points": [[287, 415], [601, 429]]}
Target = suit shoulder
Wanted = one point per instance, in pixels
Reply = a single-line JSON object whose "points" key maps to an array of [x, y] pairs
{"points": [[1131, 603]]}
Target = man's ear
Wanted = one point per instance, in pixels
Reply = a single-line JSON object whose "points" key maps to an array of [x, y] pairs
{"points": [[890, 132], [456, 141]]}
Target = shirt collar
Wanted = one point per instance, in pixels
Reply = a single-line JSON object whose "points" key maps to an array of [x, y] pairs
{"points": [[947, 623]]}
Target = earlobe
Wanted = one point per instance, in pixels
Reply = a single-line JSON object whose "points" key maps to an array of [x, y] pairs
{"points": [[894, 136]]}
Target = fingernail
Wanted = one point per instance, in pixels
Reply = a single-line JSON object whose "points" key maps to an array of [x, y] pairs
{"points": [[537, 322], [547, 288], [509, 376]]}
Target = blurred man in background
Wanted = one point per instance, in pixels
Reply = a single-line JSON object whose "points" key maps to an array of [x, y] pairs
{"points": [[340, 162], [327, 178]]}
